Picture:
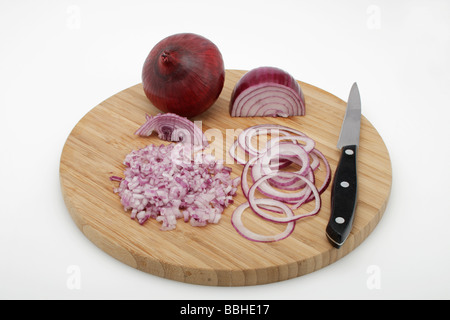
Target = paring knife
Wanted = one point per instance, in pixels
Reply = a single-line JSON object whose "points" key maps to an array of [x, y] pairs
{"points": [[344, 188]]}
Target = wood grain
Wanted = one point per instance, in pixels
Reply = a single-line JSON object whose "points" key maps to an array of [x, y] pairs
{"points": [[216, 254]]}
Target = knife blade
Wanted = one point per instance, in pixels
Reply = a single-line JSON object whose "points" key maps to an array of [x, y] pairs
{"points": [[344, 187]]}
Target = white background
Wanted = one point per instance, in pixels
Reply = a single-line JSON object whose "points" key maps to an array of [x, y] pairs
{"points": [[59, 59]]}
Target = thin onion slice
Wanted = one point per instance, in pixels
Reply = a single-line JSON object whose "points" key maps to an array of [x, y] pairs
{"points": [[292, 189], [254, 204], [327, 178], [236, 221], [258, 172], [245, 137], [232, 152]]}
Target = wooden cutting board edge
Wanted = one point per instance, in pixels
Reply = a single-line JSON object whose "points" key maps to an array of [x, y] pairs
{"points": [[205, 276]]}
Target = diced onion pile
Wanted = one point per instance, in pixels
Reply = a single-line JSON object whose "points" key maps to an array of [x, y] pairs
{"points": [[166, 183], [284, 191]]}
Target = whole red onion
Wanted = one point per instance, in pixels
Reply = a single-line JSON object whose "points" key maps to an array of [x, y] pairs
{"points": [[183, 74]]}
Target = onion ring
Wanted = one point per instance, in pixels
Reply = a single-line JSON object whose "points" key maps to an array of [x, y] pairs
{"points": [[236, 221], [253, 204], [285, 190]]}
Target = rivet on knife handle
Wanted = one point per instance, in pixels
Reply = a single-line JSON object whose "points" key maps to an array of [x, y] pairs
{"points": [[343, 197]]}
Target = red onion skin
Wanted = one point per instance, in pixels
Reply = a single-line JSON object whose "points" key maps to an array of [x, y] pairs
{"points": [[183, 74], [265, 75]]}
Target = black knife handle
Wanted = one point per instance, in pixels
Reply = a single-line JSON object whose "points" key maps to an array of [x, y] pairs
{"points": [[343, 197]]}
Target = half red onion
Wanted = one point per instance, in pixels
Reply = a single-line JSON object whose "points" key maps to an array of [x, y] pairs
{"points": [[267, 92]]}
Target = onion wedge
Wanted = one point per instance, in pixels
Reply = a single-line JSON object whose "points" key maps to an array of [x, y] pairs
{"points": [[172, 127]]}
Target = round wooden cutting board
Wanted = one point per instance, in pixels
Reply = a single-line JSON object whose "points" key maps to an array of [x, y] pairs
{"points": [[216, 254]]}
